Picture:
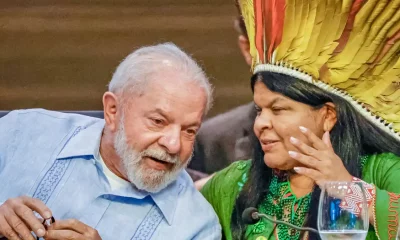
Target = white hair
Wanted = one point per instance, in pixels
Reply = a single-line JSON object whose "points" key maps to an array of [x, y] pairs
{"points": [[137, 68]]}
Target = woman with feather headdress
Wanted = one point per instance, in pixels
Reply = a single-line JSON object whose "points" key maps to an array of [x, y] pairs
{"points": [[326, 87]]}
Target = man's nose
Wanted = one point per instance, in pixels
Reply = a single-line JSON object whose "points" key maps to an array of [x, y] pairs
{"points": [[171, 140]]}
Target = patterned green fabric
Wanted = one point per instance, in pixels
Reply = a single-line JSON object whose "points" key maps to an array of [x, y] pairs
{"points": [[382, 170], [281, 203]]}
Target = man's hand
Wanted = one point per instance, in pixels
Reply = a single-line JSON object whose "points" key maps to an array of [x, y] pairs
{"points": [[71, 229], [17, 218]]}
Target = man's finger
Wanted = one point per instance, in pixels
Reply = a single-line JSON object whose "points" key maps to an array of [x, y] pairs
{"points": [[7, 231], [69, 224], [62, 235], [19, 226], [26, 214], [38, 206]]}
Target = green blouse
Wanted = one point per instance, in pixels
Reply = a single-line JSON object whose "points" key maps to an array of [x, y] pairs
{"points": [[382, 170]]}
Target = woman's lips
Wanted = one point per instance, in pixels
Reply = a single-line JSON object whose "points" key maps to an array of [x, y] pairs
{"points": [[268, 145]]}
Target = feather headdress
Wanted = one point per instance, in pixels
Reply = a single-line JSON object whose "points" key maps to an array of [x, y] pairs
{"points": [[348, 47]]}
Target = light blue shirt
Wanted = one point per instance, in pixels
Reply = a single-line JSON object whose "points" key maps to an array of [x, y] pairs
{"points": [[51, 156]]}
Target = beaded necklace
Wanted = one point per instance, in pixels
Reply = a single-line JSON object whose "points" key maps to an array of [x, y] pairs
{"points": [[282, 204]]}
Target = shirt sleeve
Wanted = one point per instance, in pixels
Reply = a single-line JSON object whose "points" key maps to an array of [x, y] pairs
{"points": [[8, 132], [383, 170]]}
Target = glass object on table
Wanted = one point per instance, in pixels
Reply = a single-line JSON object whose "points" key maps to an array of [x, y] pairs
{"points": [[343, 211]]}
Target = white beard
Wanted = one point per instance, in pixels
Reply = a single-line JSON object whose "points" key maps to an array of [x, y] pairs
{"points": [[144, 178]]}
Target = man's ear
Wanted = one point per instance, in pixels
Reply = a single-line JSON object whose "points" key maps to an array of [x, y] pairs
{"points": [[244, 46], [110, 108], [330, 117]]}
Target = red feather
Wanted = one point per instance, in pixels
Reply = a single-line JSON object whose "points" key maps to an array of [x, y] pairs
{"points": [[259, 22], [386, 48], [274, 15], [355, 8]]}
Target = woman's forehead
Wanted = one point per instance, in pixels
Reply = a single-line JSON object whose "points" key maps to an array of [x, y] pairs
{"points": [[262, 93]]}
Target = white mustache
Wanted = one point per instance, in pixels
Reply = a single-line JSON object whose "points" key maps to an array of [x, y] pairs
{"points": [[161, 155]]}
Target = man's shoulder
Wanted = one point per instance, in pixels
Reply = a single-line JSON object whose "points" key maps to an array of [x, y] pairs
{"points": [[47, 128], [47, 118], [49, 114]]}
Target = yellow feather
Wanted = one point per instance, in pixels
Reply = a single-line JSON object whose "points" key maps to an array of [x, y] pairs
{"points": [[388, 61], [316, 28], [357, 36], [289, 29], [392, 71], [346, 7], [367, 66], [347, 84], [390, 92], [247, 9], [384, 21], [300, 14], [328, 31], [378, 32]]}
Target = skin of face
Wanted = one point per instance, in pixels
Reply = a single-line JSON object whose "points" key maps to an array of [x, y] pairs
{"points": [[278, 119], [159, 128]]}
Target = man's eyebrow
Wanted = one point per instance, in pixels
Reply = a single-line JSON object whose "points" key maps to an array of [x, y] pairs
{"points": [[196, 124], [165, 115], [161, 112]]}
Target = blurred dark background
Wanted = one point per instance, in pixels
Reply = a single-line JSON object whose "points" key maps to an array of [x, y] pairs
{"points": [[61, 54]]}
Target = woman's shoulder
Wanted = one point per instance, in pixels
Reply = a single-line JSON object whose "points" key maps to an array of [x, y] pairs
{"points": [[222, 190], [227, 181], [383, 160], [381, 168], [235, 169]]}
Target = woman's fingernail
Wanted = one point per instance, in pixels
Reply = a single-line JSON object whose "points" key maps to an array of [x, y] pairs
{"points": [[294, 140], [293, 154], [303, 129], [297, 169], [40, 232]]}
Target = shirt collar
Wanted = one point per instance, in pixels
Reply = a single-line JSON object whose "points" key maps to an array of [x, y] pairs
{"points": [[84, 141], [167, 199]]}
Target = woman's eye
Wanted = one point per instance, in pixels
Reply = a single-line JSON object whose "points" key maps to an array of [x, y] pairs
{"points": [[258, 109], [278, 109]]}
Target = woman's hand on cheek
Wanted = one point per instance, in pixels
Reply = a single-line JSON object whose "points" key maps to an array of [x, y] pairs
{"points": [[319, 160]]}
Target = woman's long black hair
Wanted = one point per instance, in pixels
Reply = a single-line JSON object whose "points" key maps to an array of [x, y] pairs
{"points": [[352, 137]]}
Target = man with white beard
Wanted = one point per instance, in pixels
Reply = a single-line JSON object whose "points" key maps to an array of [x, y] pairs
{"points": [[68, 176]]}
